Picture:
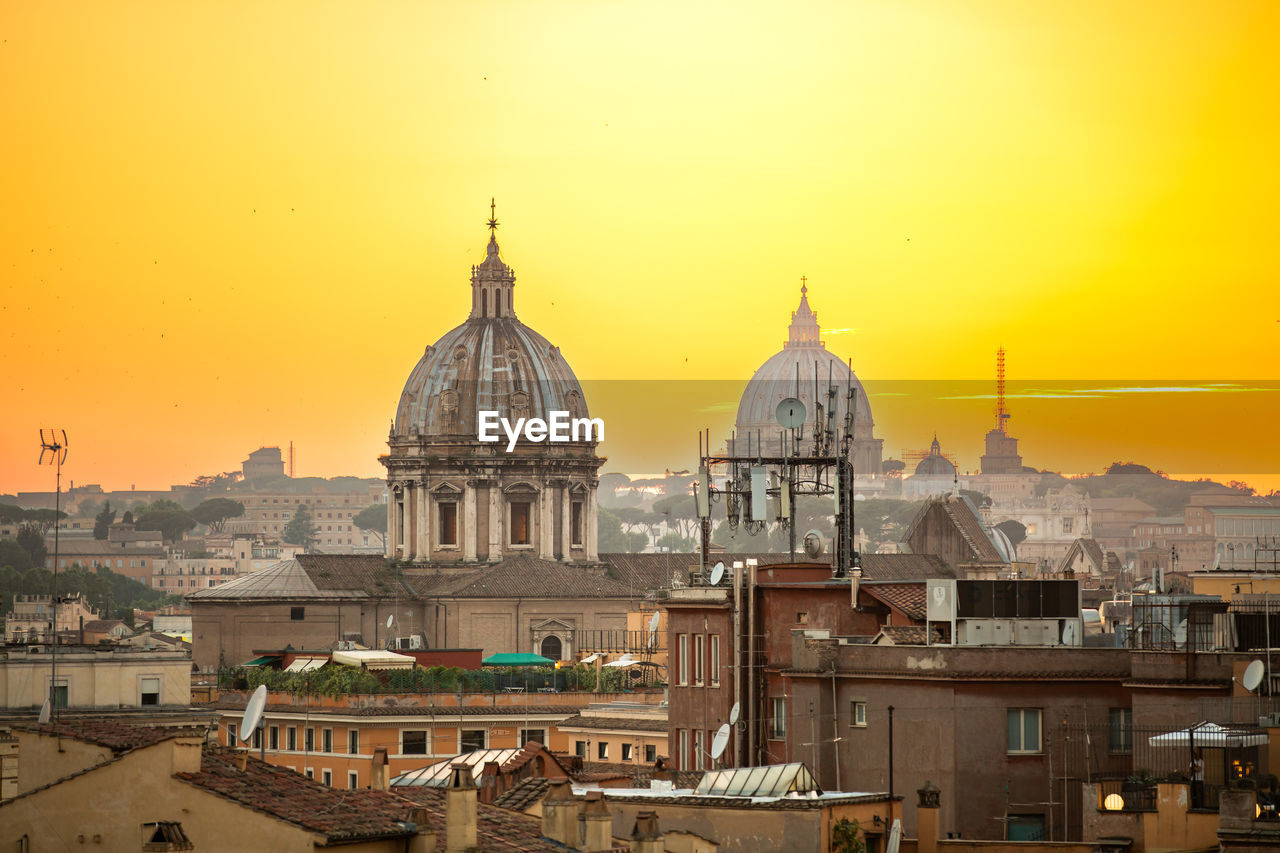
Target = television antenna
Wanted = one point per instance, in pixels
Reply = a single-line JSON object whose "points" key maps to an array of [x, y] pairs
{"points": [[53, 451]]}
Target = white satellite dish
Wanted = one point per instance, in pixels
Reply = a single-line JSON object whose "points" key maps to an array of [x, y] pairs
{"points": [[790, 413], [391, 620], [734, 713], [253, 713], [717, 573], [653, 621], [1217, 560], [813, 544], [1069, 633], [720, 741], [1253, 675], [45, 711]]}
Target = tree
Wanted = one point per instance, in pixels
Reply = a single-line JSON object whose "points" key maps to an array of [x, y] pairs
{"points": [[31, 539], [610, 537], [374, 520], [43, 519], [14, 555], [679, 510], [215, 512], [103, 520], [127, 518], [1015, 530], [675, 543], [845, 837], [12, 514], [171, 523], [300, 530]]}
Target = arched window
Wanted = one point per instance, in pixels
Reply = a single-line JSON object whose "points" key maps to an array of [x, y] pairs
{"points": [[484, 303], [551, 648]]}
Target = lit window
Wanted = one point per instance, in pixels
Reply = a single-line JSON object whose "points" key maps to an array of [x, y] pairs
{"points": [[520, 522], [1023, 730]]}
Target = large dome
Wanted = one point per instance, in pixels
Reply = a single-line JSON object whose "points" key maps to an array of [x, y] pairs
{"points": [[804, 355], [490, 362]]}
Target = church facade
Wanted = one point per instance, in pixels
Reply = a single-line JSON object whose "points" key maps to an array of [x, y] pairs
{"points": [[456, 501]]}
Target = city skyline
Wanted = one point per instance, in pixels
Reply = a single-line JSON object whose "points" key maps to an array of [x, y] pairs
{"points": [[212, 243]]}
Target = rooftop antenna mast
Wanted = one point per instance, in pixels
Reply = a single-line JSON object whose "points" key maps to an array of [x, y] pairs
{"points": [[53, 451], [1001, 414]]}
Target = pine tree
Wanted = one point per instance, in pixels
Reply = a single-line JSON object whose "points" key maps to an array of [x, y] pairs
{"points": [[300, 530]]}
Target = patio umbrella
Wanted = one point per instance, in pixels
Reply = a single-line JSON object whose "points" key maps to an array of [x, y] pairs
{"points": [[517, 659]]}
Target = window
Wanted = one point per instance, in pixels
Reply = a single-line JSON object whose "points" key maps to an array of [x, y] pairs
{"points": [[273, 738], [533, 736], [326, 776], [1023, 730], [713, 657], [353, 741], [448, 523], [683, 741], [311, 773], [1067, 525], [626, 752], [777, 717], [575, 523], [413, 742], [292, 738], [309, 740], [520, 522], [471, 740], [150, 690], [858, 714], [296, 614], [326, 740], [353, 779], [60, 694], [232, 730], [551, 647], [257, 738], [1120, 736], [802, 617], [650, 753], [602, 750], [580, 749], [683, 662], [699, 649], [699, 750]]}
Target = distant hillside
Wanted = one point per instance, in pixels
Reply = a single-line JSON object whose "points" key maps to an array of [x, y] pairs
{"points": [[1129, 479]]}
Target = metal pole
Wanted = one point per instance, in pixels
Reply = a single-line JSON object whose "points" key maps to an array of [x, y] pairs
{"points": [[890, 756], [57, 509], [751, 661], [737, 659]]}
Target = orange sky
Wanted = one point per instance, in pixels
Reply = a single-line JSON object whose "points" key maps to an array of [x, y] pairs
{"points": [[235, 224]]}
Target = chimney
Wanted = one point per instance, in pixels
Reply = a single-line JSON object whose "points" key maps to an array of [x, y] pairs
{"points": [[597, 823], [646, 837], [460, 810], [927, 818], [425, 840], [560, 814], [379, 779], [490, 788], [242, 760]]}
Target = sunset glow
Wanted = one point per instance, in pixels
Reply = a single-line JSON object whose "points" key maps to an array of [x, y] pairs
{"points": [[228, 225]]}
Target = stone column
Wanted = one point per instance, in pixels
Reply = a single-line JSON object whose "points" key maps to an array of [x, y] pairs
{"points": [[566, 515], [496, 518], [389, 546], [410, 537], [589, 519], [423, 542], [470, 530], [546, 527]]}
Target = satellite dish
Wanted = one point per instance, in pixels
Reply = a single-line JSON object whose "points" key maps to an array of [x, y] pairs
{"points": [[790, 413], [1069, 633], [653, 621], [391, 620], [1217, 560], [1180, 633], [717, 574], [45, 711], [1253, 675], [719, 742], [253, 713], [813, 544], [734, 713]]}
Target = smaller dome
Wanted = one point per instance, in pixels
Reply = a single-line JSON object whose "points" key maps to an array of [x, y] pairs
{"points": [[935, 464]]}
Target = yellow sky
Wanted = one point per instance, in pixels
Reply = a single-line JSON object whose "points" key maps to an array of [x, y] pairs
{"points": [[234, 224]]}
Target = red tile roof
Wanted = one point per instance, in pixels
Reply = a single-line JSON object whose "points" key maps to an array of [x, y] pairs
{"points": [[116, 736], [910, 599], [339, 814], [497, 830]]}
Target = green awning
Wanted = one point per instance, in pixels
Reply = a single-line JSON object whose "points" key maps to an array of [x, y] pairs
{"points": [[517, 659], [262, 661]]}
